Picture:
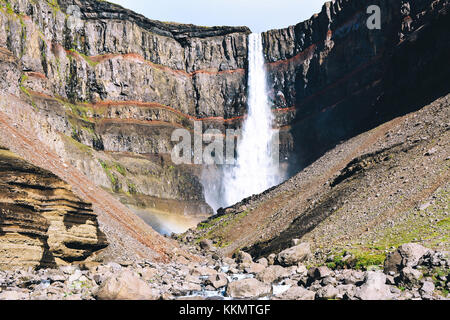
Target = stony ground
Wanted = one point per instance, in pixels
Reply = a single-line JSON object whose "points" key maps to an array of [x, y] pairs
{"points": [[410, 272]]}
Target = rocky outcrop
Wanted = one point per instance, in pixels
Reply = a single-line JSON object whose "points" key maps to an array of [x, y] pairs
{"points": [[42, 223]]}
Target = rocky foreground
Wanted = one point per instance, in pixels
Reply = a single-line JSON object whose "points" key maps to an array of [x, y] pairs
{"points": [[410, 272]]}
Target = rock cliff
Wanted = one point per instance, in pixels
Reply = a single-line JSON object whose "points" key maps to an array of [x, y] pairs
{"points": [[110, 89], [42, 223], [332, 77]]}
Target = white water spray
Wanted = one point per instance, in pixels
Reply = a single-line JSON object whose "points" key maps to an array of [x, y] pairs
{"points": [[257, 167]]}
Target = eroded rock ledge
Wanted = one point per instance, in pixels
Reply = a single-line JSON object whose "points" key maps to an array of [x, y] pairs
{"points": [[42, 223]]}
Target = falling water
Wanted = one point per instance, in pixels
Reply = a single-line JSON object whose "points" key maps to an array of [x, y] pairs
{"points": [[256, 169]]}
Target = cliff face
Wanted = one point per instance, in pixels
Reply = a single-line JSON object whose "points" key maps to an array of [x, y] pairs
{"points": [[332, 77], [108, 89], [42, 223]]}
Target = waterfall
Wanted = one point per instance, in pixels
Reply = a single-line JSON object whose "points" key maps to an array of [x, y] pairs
{"points": [[257, 164]]}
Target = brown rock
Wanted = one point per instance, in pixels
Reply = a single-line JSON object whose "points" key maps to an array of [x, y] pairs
{"points": [[126, 286], [248, 288]]}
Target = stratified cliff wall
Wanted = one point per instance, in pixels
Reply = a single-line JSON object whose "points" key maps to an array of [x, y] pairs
{"points": [[109, 88], [332, 77]]}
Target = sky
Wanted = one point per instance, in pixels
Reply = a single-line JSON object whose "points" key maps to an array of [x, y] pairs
{"points": [[258, 15]]}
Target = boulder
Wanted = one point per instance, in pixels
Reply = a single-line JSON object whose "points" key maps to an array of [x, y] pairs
{"points": [[407, 255], [217, 281], [374, 287], [328, 292], [244, 257], [410, 276], [126, 286], [263, 261], [316, 273], [346, 291], [296, 293], [203, 271], [149, 274], [254, 268], [14, 295], [248, 288], [272, 274], [294, 255], [427, 290], [351, 276], [206, 244]]}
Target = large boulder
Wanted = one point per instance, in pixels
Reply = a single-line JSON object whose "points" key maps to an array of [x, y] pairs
{"points": [[200, 271], [328, 292], [248, 288], [254, 268], [294, 255], [296, 293], [407, 255], [126, 286], [411, 277], [217, 281], [206, 244], [374, 287]]}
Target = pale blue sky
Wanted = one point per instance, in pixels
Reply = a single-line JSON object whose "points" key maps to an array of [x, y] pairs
{"points": [[258, 15]]}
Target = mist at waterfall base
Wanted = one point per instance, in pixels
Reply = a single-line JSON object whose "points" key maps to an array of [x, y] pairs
{"points": [[257, 163]]}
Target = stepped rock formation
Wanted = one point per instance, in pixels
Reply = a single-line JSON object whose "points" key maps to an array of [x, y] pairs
{"points": [[42, 223]]}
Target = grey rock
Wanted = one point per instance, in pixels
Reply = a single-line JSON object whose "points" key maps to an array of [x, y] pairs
{"points": [[297, 293], [254, 268], [411, 276], [272, 274], [327, 292], [126, 285], [263, 261], [319, 272], [427, 288], [346, 291], [271, 259], [374, 287], [407, 255]]}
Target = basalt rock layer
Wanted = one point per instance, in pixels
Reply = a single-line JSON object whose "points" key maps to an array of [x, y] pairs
{"points": [[42, 223]]}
